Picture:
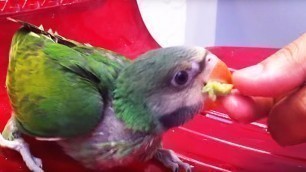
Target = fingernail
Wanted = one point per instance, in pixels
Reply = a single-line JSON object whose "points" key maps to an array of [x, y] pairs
{"points": [[251, 71]]}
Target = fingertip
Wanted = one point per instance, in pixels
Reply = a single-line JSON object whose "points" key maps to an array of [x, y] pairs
{"points": [[240, 108], [256, 81], [245, 79], [245, 109]]}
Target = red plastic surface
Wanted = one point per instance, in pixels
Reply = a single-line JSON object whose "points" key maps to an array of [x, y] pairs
{"points": [[211, 142]]}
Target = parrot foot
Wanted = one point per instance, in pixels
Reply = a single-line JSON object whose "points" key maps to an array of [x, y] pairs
{"points": [[19, 145], [171, 160]]}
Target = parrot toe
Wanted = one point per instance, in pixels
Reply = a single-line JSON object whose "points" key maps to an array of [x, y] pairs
{"points": [[19, 145], [171, 160], [38, 161]]}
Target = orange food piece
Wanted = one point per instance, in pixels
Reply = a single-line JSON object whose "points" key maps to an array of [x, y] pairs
{"points": [[221, 73]]}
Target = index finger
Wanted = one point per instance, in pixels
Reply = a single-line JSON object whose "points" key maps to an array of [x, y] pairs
{"points": [[280, 73]]}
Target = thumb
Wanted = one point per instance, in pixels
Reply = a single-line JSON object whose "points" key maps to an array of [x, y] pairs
{"points": [[281, 72], [287, 119]]}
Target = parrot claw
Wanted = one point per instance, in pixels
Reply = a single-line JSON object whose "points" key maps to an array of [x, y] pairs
{"points": [[170, 160], [38, 161], [19, 145]]}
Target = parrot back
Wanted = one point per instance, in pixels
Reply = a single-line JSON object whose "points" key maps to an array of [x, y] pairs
{"points": [[58, 87]]}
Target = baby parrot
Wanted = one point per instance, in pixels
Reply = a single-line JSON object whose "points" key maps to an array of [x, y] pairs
{"points": [[101, 108]]}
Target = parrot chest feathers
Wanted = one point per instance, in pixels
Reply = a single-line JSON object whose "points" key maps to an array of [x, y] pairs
{"points": [[111, 144]]}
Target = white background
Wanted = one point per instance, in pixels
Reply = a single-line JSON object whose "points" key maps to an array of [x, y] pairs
{"points": [[257, 23]]}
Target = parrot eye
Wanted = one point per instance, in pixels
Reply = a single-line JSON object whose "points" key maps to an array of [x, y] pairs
{"points": [[180, 78]]}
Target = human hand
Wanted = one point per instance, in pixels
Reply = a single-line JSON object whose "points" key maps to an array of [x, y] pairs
{"points": [[274, 87]]}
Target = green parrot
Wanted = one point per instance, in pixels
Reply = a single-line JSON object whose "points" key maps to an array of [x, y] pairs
{"points": [[101, 108]]}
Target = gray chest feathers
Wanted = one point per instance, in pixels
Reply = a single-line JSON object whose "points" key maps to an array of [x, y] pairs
{"points": [[111, 144]]}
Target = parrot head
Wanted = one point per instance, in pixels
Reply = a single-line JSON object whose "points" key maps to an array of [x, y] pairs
{"points": [[162, 88]]}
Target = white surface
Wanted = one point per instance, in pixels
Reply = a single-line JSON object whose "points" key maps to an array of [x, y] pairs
{"points": [[165, 20], [201, 22]]}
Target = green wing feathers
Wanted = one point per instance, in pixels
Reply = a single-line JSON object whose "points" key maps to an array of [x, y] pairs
{"points": [[57, 86]]}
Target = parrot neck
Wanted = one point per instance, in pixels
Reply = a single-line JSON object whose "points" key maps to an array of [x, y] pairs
{"points": [[132, 110]]}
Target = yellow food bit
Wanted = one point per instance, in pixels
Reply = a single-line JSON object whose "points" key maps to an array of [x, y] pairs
{"points": [[215, 88]]}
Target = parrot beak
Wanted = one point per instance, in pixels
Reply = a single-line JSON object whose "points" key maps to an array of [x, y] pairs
{"points": [[216, 70], [218, 81], [221, 73]]}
